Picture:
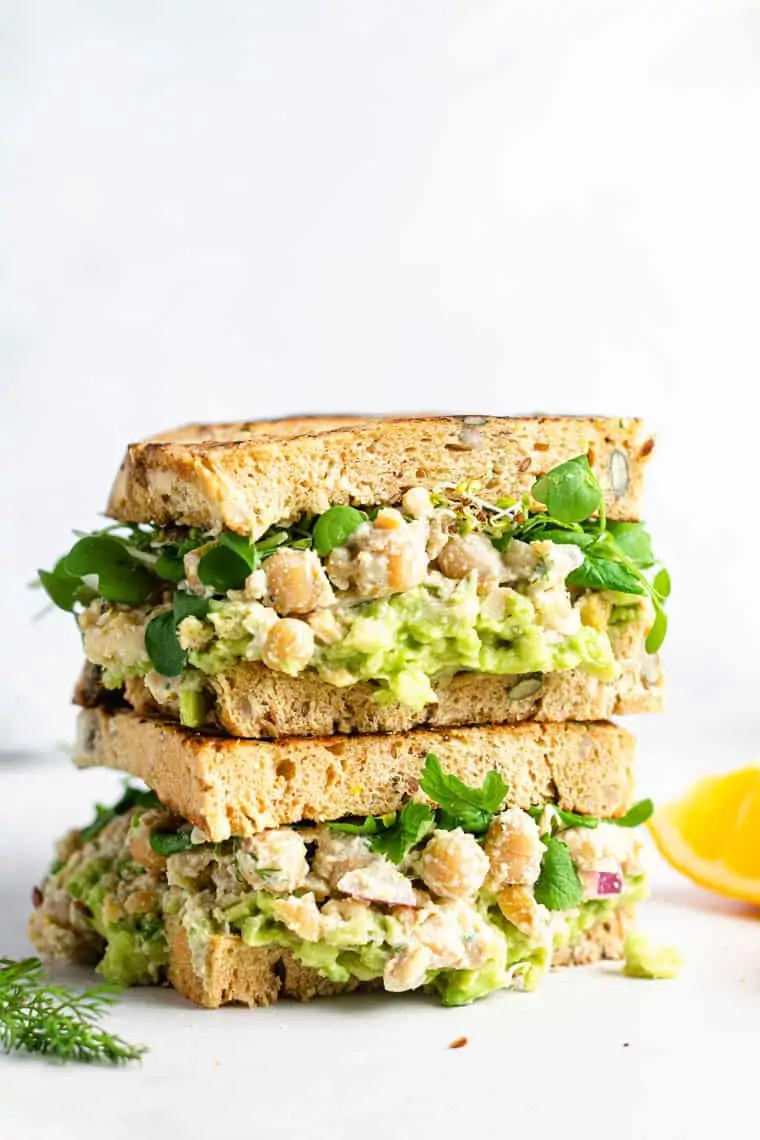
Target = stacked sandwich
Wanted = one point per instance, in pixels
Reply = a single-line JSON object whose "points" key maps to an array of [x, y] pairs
{"points": [[363, 669]]}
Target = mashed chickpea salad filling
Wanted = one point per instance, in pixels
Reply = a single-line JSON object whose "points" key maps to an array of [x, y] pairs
{"points": [[400, 596], [455, 894]]}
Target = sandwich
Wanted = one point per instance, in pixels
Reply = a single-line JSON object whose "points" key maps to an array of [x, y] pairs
{"points": [[258, 869], [362, 669], [374, 577]]}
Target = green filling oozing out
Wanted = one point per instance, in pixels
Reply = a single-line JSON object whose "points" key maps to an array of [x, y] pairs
{"points": [[136, 948]]}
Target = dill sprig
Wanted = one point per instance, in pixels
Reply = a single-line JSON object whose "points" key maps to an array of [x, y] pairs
{"points": [[39, 1017]]}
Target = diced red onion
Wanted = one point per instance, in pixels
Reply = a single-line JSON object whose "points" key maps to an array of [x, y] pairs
{"points": [[608, 883]]}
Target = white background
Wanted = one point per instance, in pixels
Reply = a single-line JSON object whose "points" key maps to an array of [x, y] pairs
{"points": [[238, 209]]}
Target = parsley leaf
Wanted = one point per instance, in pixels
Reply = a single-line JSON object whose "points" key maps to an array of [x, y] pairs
{"points": [[469, 808], [169, 842], [635, 816], [414, 822], [569, 818], [369, 826], [558, 885], [132, 797]]}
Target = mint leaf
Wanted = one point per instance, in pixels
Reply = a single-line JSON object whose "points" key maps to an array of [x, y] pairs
{"points": [[558, 886], [635, 816], [414, 822], [472, 809], [570, 491]]}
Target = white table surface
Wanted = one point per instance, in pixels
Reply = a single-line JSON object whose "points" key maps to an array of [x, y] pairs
{"points": [[591, 1054]]}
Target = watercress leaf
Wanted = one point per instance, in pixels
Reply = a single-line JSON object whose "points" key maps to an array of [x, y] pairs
{"points": [[414, 822], [242, 547], [570, 491], [169, 842], [465, 807], [603, 574], [369, 826], [61, 587], [120, 578], [566, 537], [335, 527], [165, 652], [662, 583], [223, 569], [656, 635], [558, 886], [189, 605], [635, 816], [170, 565], [127, 583], [92, 553], [633, 540], [136, 797]]}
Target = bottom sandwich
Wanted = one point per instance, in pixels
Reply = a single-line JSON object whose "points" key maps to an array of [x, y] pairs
{"points": [[455, 893]]}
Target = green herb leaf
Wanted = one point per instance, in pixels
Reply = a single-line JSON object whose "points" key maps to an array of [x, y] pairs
{"points": [[120, 578], [270, 542], [662, 583], [188, 605], [223, 569], [570, 491], [414, 822], [242, 546], [166, 654], [656, 635], [170, 842], [170, 565], [62, 588], [472, 809], [634, 540], [569, 818], [635, 816], [335, 527], [558, 886], [603, 574], [369, 826], [39, 1017], [132, 797]]}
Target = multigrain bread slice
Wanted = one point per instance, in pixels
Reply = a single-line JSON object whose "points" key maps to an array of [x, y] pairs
{"points": [[263, 474], [259, 976], [256, 703], [226, 786]]}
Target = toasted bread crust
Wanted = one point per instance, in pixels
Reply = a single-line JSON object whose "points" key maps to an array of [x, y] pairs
{"points": [[249, 479], [227, 786]]}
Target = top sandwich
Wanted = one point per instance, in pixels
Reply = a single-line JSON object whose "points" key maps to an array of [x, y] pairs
{"points": [[309, 576]]}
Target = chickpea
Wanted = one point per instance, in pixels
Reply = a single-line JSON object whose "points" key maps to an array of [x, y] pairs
{"points": [[389, 519], [296, 582], [452, 865], [466, 553], [288, 647], [141, 902], [406, 568], [514, 849], [417, 503], [139, 839], [518, 905]]}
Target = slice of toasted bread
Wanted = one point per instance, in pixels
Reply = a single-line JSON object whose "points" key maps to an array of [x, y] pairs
{"points": [[250, 476], [226, 786]]}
